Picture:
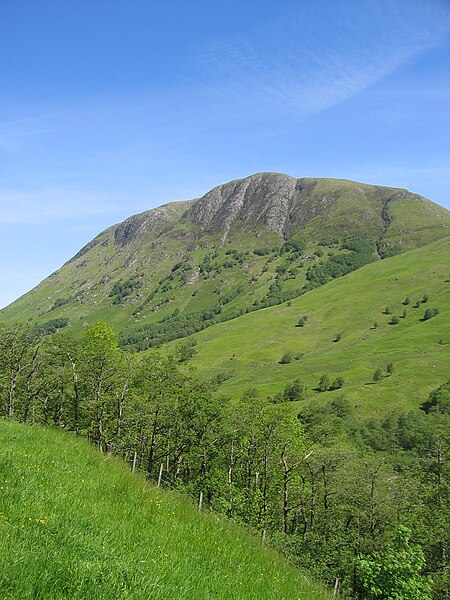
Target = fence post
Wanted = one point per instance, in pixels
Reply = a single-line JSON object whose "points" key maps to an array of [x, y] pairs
{"points": [[336, 588], [200, 501], [133, 467], [160, 474]]}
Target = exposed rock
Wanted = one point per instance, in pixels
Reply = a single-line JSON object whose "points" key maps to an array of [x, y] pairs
{"points": [[261, 199]]}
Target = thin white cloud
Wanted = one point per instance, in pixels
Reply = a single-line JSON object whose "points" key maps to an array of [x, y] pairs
{"points": [[299, 71], [49, 205]]}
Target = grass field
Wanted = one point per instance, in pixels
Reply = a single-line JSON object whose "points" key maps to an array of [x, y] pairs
{"points": [[249, 348], [78, 525]]}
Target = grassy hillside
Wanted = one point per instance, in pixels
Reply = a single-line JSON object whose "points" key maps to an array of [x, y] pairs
{"points": [[75, 524], [248, 349]]}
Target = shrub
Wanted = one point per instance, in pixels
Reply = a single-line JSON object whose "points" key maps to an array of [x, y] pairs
{"points": [[337, 384], [324, 383], [430, 313], [302, 321], [262, 251], [438, 400], [286, 358], [59, 302], [50, 327], [294, 391], [221, 377], [185, 350], [377, 374]]}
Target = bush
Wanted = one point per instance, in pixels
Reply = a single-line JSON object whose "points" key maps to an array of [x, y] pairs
{"points": [[121, 291], [185, 350], [286, 358], [294, 391], [337, 384], [59, 302], [377, 374], [222, 377], [294, 246], [302, 321], [50, 327], [430, 313], [438, 400], [324, 383]]}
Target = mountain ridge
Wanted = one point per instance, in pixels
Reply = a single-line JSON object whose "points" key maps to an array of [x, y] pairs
{"points": [[223, 203]]}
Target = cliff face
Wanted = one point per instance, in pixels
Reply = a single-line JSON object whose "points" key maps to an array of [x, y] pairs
{"points": [[261, 199]]}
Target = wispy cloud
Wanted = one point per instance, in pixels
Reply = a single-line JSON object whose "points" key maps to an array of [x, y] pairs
{"points": [[303, 68], [50, 205]]}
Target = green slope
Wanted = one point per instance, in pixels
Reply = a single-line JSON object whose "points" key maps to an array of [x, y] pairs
{"points": [[78, 525], [248, 349]]}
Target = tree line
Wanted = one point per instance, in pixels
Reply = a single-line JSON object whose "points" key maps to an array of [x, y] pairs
{"points": [[338, 496]]}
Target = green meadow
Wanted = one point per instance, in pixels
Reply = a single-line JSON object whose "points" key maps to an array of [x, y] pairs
{"points": [[347, 333], [77, 524]]}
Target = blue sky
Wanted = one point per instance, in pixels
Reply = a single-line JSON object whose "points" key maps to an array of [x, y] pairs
{"points": [[108, 108]]}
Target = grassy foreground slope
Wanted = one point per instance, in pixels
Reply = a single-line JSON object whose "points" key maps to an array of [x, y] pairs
{"points": [[75, 524], [249, 348]]}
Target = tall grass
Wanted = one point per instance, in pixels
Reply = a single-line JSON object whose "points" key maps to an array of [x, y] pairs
{"points": [[78, 525]]}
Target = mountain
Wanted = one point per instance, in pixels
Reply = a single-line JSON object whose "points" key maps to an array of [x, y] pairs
{"points": [[78, 525], [245, 245]]}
